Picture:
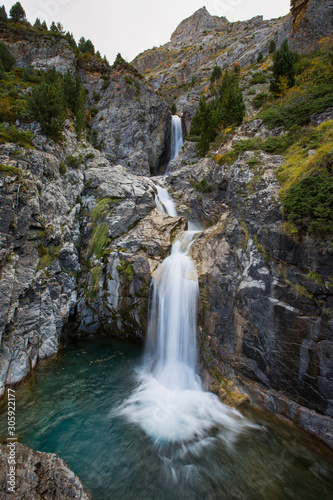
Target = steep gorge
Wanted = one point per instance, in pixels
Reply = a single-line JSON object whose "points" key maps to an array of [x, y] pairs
{"points": [[79, 244]]}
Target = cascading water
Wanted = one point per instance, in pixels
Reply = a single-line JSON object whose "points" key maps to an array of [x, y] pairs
{"points": [[176, 139], [170, 404]]}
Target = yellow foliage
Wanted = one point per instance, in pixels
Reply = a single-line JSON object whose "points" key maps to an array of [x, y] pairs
{"points": [[299, 164]]}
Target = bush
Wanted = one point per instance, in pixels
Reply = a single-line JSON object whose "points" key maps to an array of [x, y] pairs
{"points": [[46, 105], [259, 100], [258, 77], [309, 205]]}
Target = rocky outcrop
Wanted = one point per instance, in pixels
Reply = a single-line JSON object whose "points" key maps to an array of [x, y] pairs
{"points": [[38, 476], [312, 21], [38, 50], [80, 239], [132, 122]]}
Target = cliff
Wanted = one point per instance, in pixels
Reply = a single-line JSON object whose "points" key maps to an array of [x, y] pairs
{"points": [[81, 237]]}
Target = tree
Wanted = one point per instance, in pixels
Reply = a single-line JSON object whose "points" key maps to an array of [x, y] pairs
{"points": [[38, 24], [82, 44], [71, 40], [17, 13], [44, 26], [89, 47], [54, 28], [283, 69], [60, 29], [3, 14], [216, 74], [260, 57], [6, 57], [227, 108], [46, 105], [272, 47]]}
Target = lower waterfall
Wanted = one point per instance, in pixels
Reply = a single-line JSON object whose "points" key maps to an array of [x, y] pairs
{"points": [[170, 404]]}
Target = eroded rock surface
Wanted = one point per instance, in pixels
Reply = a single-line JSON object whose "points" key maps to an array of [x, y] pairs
{"points": [[41, 476]]}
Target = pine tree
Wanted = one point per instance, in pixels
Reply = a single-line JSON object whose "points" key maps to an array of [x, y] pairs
{"points": [[216, 74], [54, 28], [46, 105], [44, 26], [89, 47], [38, 24], [283, 68], [6, 57], [17, 13], [60, 29], [3, 14], [272, 47], [71, 40]]}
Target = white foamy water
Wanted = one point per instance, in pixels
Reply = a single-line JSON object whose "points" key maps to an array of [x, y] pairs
{"points": [[176, 139], [170, 404]]}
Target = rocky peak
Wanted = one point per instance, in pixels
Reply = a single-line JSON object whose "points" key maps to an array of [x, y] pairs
{"points": [[200, 21]]}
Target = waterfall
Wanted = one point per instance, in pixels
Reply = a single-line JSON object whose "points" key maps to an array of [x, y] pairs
{"points": [[176, 139], [171, 342], [169, 403]]}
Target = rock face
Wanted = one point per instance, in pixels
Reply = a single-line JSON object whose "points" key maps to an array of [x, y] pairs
{"points": [[265, 320], [40, 51], [132, 122], [80, 239], [39, 476], [312, 21]]}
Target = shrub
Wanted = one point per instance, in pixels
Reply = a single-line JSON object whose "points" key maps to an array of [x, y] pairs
{"points": [[309, 204], [47, 105], [260, 57], [259, 100], [272, 47], [258, 77], [12, 134]]}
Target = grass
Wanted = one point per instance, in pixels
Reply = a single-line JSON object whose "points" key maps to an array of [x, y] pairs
{"points": [[102, 209], [95, 274], [98, 241]]}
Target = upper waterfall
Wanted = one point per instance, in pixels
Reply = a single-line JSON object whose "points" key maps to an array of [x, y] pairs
{"points": [[176, 139]]}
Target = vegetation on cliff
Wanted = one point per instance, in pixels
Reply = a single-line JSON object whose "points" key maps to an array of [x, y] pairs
{"points": [[224, 107]]}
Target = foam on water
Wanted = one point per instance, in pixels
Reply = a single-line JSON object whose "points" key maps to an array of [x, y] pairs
{"points": [[170, 404]]}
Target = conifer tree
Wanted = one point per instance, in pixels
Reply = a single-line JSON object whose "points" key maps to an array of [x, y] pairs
{"points": [[17, 13], [44, 26], [38, 24], [3, 14], [283, 68]]}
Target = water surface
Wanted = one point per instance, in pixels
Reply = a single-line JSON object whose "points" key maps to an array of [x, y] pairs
{"points": [[65, 408]]}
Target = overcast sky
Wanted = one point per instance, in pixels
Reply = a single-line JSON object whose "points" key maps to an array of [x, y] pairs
{"points": [[132, 26]]}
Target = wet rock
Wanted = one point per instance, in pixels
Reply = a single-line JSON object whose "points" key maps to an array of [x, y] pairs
{"points": [[39, 476]]}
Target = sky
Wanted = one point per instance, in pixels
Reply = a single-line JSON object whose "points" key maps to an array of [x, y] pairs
{"points": [[132, 26]]}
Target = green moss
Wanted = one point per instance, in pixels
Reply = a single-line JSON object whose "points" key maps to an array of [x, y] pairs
{"points": [[94, 282], [102, 209], [261, 249], [98, 241], [47, 255], [9, 170]]}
